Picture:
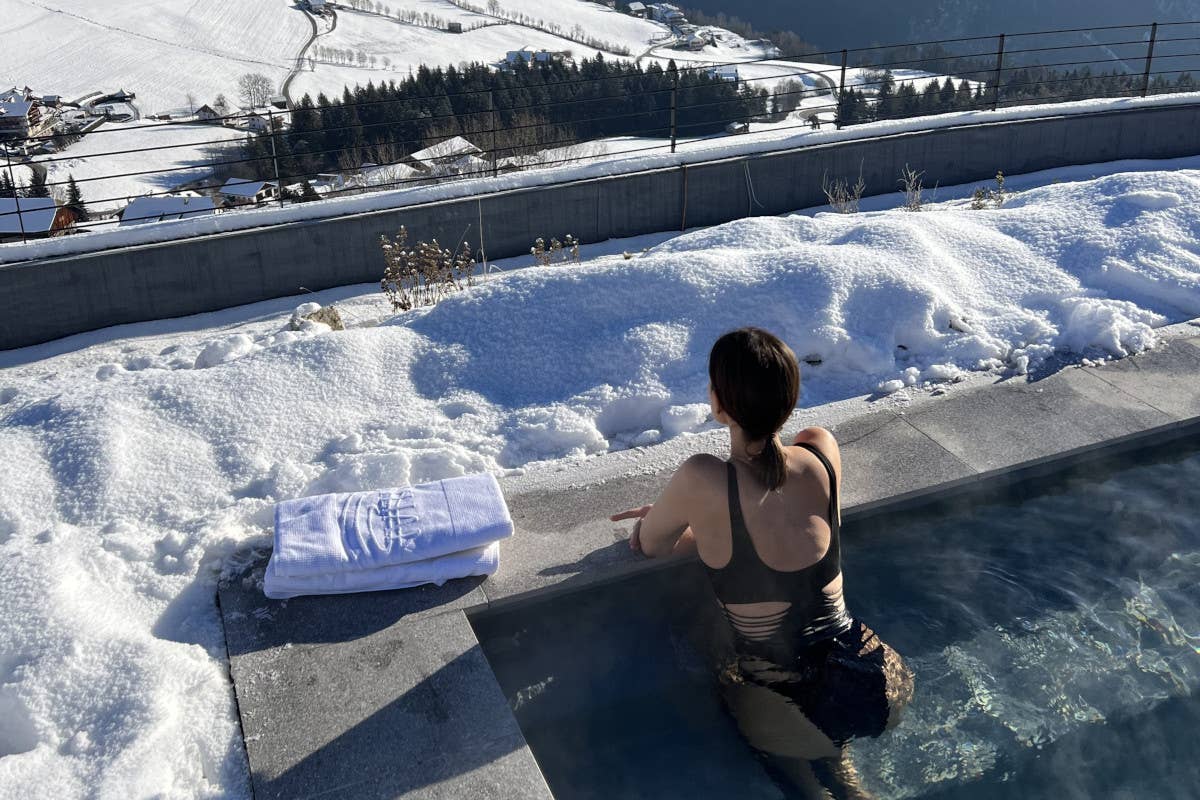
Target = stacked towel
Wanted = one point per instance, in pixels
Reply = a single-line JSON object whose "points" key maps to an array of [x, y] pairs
{"points": [[389, 539]]}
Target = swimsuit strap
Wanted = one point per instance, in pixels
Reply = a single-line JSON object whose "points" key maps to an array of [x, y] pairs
{"points": [[835, 514], [739, 534]]}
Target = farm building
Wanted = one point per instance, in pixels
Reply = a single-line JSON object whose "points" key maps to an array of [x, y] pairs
{"points": [[243, 192], [17, 115], [666, 12], [207, 114], [32, 218], [156, 209], [444, 153], [528, 55]]}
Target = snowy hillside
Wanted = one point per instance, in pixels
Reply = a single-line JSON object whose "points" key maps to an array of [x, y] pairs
{"points": [[162, 50], [131, 478], [584, 29]]}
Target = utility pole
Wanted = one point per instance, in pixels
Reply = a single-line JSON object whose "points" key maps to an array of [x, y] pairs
{"points": [[674, 105], [16, 195], [999, 69], [1149, 59], [495, 152], [275, 158], [841, 91]]}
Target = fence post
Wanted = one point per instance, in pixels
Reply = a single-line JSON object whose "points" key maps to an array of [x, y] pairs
{"points": [[999, 69], [1149, 59], [275, 158], [674, 105], [495, 152], [16, 195], [841, 91]]}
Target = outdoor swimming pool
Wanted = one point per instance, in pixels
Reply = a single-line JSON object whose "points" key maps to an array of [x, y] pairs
{"points": [[1053, 625]]}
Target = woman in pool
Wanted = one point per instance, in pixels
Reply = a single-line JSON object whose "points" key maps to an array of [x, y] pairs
{"points": [[808, 677]]}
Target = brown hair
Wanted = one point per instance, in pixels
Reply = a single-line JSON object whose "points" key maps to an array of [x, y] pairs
{"points": [[757, 382]]}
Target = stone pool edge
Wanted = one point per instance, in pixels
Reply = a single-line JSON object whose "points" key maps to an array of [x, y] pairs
{"points": [[564, 543]]}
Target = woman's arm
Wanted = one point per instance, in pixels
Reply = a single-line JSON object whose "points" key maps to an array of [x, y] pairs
{"points": [[664, 529]]}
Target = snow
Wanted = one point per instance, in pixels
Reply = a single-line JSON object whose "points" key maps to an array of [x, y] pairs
{"points": [[138, 463], [619, 156], [169, 155], [162, 50]]}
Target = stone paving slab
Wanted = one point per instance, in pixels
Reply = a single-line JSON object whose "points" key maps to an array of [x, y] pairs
{"points": [[377, 695], [1015, 421], [388, 694]]}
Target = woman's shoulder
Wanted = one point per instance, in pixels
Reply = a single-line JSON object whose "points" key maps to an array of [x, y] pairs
{"points": [[822, 440], [704, 466]]}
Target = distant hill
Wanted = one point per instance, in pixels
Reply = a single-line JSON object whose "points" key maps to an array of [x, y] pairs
{"points": [[833, 25]]}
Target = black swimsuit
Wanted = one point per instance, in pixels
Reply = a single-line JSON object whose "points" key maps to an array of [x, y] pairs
{"points": [[816, 656], [812, 615]]}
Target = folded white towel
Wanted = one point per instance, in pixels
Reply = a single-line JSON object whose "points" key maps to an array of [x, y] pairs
{"points": [[478, 561], [335, 534]]}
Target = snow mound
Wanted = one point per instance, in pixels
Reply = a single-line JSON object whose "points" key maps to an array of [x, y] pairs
{"points": [[136, 466]]}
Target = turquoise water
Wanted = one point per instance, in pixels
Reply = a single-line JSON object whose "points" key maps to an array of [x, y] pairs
{"points": [[1053, 627]]}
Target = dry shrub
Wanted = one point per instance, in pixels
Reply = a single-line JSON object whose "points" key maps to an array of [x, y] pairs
{"points": [[558, 253], [424, 274]]}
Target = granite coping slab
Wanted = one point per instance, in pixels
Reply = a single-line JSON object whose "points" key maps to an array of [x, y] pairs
{"points": [[388, 694]]}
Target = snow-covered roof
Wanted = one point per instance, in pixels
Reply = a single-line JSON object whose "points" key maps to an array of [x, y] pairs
{"points": [[471, 165], [153, 209], [15, 109], [457, 146], [635, 7], [376, 175], [36, 215], [241, 187]]}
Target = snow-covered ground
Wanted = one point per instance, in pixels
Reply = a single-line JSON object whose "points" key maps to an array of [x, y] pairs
{"points": [[138, 459], [618, 156], [169, 155], [162, 50], [400, 48]]}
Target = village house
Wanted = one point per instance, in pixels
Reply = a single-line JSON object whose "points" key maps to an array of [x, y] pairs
{"points": [[638, 10], [443, 154], [667, 13], [32, 218], [244, 192], [19, 113], [206, 113], [157, 208], [723, 73], [528, 55], [16, 118]]}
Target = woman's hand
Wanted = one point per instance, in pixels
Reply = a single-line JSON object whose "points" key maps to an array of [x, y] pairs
{"points": [[635, 538]]}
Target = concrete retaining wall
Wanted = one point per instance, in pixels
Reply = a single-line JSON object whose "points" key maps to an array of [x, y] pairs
{"points": [[57, 297]]}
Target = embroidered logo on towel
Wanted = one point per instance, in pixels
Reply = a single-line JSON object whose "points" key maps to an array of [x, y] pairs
{"points": [[399, 521]]}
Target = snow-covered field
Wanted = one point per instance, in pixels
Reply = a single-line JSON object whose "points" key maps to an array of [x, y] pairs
{"points": [[405, 47], [162, 50], [172, 154], [139, 459]]}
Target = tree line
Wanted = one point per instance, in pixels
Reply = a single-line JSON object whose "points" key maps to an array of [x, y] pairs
{"points": [[1024, 85], [534, 106]]}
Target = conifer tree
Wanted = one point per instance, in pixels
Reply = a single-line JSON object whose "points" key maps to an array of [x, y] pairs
{"points": [[6, 186], [75, 200], [885, 105], [37, 185]]}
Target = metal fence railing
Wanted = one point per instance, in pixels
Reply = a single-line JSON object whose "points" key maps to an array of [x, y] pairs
{"points": [[508, 128]]}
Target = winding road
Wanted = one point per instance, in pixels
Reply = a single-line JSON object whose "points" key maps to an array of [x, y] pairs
{"points": [[299, 65]]}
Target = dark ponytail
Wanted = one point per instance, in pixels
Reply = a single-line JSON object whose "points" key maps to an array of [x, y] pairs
{"points": [[756, 379]]}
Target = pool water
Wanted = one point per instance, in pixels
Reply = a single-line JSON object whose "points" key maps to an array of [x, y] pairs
{"points": [[1053, 626]]}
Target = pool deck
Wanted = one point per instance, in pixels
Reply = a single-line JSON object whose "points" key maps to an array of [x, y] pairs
{"points": [[389, 695]]}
